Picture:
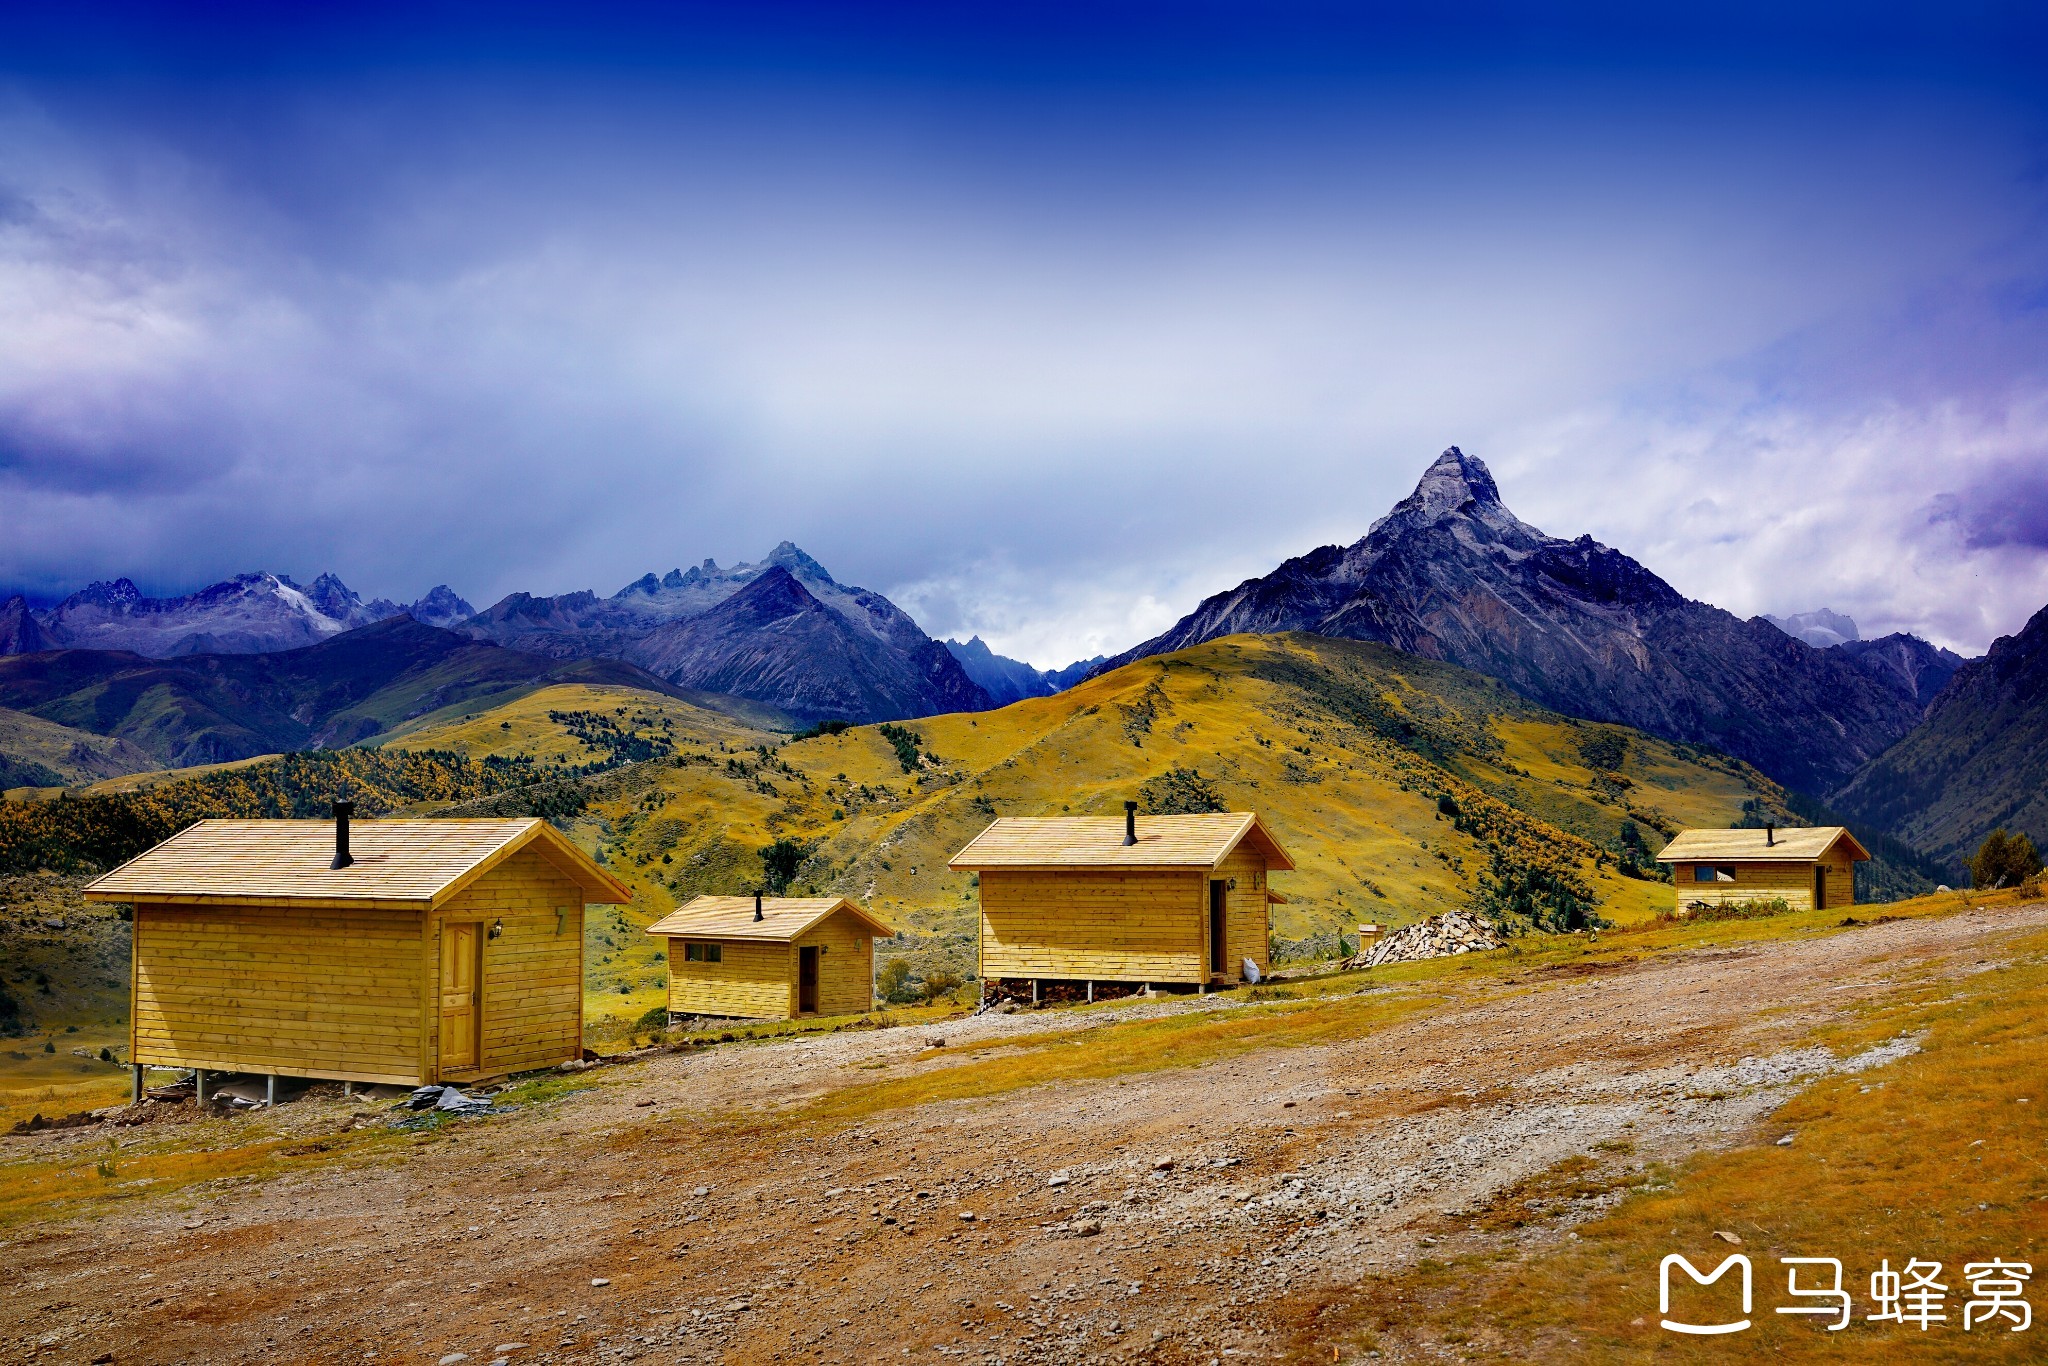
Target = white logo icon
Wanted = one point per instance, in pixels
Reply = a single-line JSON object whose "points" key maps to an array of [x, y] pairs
{"points": [[1701, 1329]]}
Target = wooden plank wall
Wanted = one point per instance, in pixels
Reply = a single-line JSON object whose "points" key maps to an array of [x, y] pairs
{"points": [[533, 973], [300, 992], [1116, 926], [846, 970], [755, 982], [1245, 915], [1765, 882]]}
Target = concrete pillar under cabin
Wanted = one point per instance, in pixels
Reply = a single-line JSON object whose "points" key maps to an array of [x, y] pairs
{"points": [[135, 1084], [199, 1093]]}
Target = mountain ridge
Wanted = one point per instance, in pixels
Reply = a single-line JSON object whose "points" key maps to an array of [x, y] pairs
{"points": [[871, 657], [1012, 680], [1450, 573], [254, 613], [1979, 761], [197, 709]]}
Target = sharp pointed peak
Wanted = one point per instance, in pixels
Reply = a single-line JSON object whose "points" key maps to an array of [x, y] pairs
{"points": [[1455, 485], [791, 557]]}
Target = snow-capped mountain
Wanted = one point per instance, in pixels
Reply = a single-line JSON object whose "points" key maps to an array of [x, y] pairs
{"points": [[248, 614]]}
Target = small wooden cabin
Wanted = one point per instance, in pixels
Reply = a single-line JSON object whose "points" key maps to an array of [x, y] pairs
{"points": [[770, 958], [404, 951], [1809, 867], [1180, 899]]}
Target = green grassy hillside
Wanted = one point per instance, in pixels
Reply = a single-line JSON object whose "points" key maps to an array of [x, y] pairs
{"points": [[36, 753], [202, 709]]}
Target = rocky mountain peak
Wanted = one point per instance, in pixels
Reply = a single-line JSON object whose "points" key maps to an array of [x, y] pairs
{"points": [[107, 594], [1457, 488], [796, 562]]}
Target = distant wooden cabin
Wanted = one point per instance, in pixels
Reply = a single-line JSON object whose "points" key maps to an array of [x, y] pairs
{"points": [[770, 958], [1169, 900], [402, 951], [1814, 866]]}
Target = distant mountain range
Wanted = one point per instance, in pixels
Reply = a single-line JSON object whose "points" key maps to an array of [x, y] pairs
{"points": [[1012, 680], [783, 632], [208, 708], [1979, 761], [1451, 574], [1819, 628], [248, 614]]}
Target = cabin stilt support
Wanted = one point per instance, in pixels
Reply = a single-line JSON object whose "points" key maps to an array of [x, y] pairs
{"points": [[348, 1088], [1091, 993], [1034, 991], [270, 1090], [135, 1084], [199, 1092]]}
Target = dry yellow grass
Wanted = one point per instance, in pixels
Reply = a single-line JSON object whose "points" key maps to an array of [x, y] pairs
{"points": [[1342, 746], [1937, 1156]]}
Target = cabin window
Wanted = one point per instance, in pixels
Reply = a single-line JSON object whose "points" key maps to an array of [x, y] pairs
{"points": [[1707, 872], [703, 953]]}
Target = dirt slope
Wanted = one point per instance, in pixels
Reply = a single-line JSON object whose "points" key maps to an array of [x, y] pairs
{"points": [[775, 1203]]}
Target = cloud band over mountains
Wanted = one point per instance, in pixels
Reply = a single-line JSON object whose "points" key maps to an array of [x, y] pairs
{"points": [[1044, 346]]}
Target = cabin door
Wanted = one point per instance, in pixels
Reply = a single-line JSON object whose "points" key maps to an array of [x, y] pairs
{"points": [[807, 979], [1820, 889], [461, 995], [1219, 925]]}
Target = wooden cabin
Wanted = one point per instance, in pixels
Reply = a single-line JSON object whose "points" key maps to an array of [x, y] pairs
{"points": [[1813, 866], [402, 951], [1147, 900], [770, 958]]}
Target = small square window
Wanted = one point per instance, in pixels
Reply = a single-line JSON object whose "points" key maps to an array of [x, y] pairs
{"points": [[703, 953]]}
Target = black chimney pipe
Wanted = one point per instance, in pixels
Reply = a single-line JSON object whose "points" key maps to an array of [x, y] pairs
{"points": [[342, 811], [1130, 822], [757, 904], [1770, 835]]}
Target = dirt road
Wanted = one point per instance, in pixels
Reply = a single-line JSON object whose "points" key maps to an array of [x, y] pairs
{"points": [[684, 1209]]}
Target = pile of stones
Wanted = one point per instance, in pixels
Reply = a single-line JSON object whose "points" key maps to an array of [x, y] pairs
{"points": [[1440, 936]]}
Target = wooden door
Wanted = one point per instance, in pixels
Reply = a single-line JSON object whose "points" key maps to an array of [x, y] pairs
{"points": [[461, 995], [1820, 888], [1219, 925], [807, 978]]}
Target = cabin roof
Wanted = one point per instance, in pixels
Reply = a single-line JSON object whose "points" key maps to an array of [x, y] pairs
{"points": [[1803, 844], [783, 918], [405, 864], [1056, 842]]}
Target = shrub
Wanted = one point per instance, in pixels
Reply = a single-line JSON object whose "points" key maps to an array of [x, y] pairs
{"points": [[1604, 749], [1180, 791], [2004, 860], [892, 983]]}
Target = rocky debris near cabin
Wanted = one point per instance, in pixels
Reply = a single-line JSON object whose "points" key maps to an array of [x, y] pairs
{"points": [[448, 1099], [1440, 936]]}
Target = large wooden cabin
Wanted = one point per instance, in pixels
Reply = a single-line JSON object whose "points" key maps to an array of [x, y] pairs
{"points": [[1808, 867], [1153, 900], [403, 951], [770, 958]]}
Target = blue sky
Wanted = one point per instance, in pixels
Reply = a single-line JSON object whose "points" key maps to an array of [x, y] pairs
{"points": [[1045, 320]]}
